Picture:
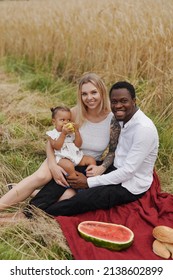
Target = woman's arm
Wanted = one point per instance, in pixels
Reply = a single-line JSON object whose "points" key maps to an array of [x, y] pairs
{"points": [[56, 171], [50, 155]]}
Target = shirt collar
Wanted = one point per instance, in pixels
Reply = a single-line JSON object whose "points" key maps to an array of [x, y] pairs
{"points": [[131, 120]]}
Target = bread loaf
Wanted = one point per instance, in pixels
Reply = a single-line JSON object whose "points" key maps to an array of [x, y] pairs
{"points": [[169, 246], [160, 249], [163, 234]]}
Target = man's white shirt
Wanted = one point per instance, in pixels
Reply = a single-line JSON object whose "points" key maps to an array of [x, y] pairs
{"points": [[135, 156]]}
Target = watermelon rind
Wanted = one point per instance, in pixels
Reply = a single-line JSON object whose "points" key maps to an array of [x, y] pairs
{"points": [[104, 242]]}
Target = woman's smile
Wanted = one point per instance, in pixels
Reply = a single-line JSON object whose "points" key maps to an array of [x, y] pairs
{"points": [[90, 96]]}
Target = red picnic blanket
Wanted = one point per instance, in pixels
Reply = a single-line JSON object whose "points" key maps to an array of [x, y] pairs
{"points": [[154, 208]]}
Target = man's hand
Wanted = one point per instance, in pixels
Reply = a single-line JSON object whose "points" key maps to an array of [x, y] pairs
{"points": [[78, 182]]}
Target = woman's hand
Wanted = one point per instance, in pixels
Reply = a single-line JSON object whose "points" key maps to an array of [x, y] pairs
{"points": [[58, 174], [94, 170]]}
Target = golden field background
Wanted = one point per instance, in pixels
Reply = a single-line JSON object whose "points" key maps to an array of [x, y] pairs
{"points": [[119, 39], [45, 46]]}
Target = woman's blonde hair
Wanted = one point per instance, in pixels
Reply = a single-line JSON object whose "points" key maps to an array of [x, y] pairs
{"points": [[99, 84]]}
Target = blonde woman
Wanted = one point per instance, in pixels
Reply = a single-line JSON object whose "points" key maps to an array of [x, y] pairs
{"points": [[93, 115]]}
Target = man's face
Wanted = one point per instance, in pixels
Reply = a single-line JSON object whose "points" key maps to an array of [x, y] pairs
{"points": [[122, 104]]}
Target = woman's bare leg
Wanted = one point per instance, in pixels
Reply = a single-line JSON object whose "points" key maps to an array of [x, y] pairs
{"points": [[34, 193], [26, 187], [67, 194]]}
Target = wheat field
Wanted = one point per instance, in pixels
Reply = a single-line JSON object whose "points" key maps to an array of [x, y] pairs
{"points": [[45, 46], [119, 39]]}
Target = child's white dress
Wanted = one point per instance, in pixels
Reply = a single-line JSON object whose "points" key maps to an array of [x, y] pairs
{"points": [[68, 150]]}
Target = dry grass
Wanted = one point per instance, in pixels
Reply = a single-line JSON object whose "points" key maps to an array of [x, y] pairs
{"points": [[22, 119], [39, 238]]}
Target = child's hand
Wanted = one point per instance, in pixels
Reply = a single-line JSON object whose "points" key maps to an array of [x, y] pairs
{"points": [[76, 126], [68, 128]]}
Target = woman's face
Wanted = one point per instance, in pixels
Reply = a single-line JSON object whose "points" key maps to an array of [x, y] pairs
{"points": [[90, 96]]}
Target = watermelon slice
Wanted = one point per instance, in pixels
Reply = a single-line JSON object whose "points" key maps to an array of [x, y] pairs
{"points": [[111, 236]]}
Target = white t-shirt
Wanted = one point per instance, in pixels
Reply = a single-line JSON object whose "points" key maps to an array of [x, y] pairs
{"points": [[95, 137], [135, 156]]}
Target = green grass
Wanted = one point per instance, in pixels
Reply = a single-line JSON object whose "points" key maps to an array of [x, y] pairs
{"points": [[38, 239]]}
